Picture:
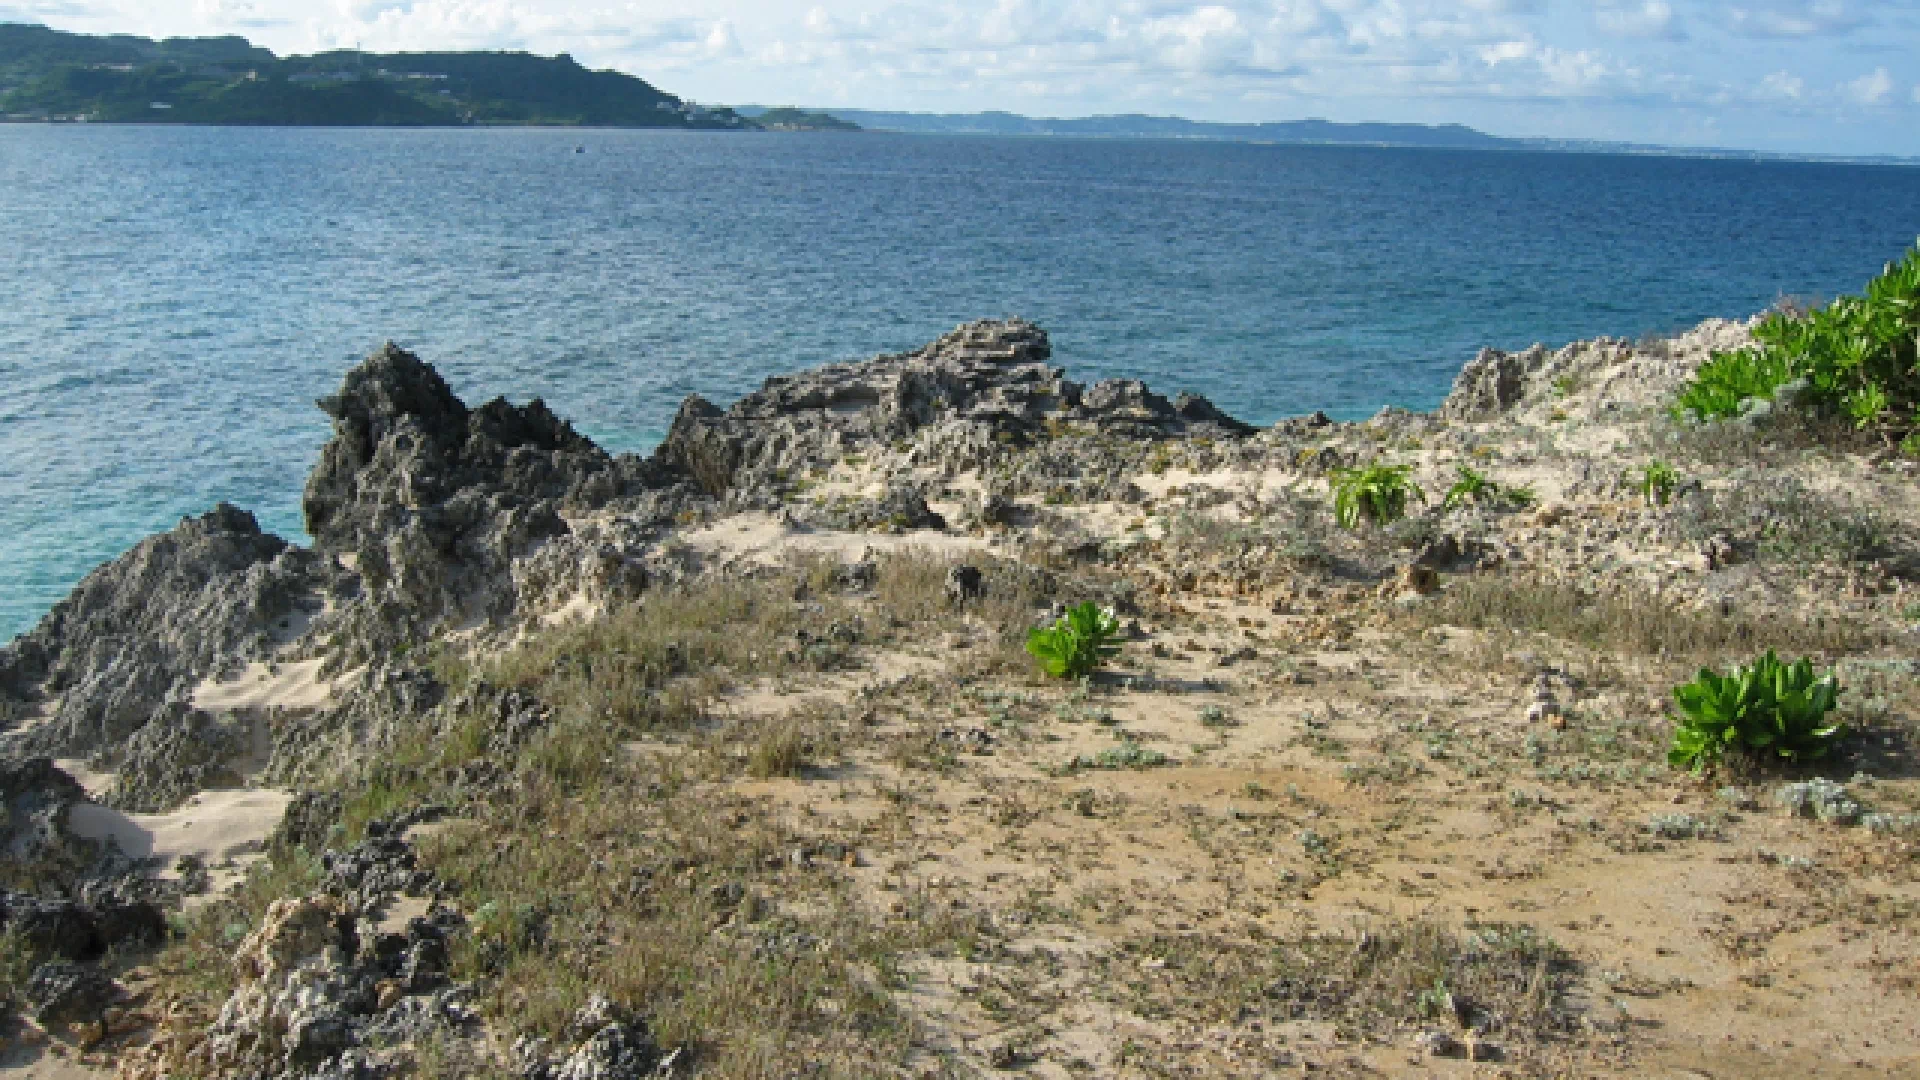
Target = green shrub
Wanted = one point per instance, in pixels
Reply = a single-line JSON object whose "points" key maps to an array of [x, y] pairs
{"points": [[1767, 708], [1730, 378], [1857, 354], [1076, 644], [1657, 481], [1378, 493], [1473, 486]]}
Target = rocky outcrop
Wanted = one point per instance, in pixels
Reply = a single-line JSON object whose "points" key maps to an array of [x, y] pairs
{"points": [[1609, 371], [608, 1043], [181, 750], [201, 599], [35, 797], [957, 399], [427, 514], [1491, 383], [324, 992], [431, 503], [369, 714]]}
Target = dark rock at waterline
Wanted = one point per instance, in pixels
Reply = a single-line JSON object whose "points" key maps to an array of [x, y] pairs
{"points": [[432, 502], [181, 605]]}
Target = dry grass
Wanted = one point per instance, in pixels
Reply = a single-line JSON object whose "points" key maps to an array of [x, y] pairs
{"points": [[735, 934], [1502, 980], [1629, 622]]}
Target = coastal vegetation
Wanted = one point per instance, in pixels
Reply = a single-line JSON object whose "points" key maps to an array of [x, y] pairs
{"points": [[1375, 493], [1766, 709], [1077, 643], [1854, 355]]}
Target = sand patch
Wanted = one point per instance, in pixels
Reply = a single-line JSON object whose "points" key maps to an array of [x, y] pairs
{"points": [[295, 685], [227, 830], [765, 540]]}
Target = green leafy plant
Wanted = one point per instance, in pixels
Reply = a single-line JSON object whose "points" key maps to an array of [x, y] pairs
{"points": [[1767, 708], [1730, 378], [1657, 481], [1857, 354], [1378, 493], [1473, 486], [1077, 643]]}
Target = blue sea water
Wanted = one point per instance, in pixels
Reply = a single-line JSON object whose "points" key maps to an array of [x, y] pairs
{"points": [[173, 299]]}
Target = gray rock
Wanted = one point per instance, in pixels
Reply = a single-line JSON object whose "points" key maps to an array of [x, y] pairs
{"points": [[143, 629], [432, 502], [69, 994], [615, 1045], [900, 509], [180, 750], [964, 583], [308, 821], [36, 847], [1491, 383], [956, 400]]}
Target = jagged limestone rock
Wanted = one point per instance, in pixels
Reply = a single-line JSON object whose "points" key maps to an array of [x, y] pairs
{"points": [[203, 598]]}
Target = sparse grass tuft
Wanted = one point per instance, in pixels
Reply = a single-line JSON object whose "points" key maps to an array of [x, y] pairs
{"points": [[1632, 622], [1504, 980]]}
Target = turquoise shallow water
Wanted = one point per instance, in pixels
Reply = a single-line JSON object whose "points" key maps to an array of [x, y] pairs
{"points": [[172, 300]]}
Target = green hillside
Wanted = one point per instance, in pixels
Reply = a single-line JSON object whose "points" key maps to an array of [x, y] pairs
{"points": [[49, 75]]}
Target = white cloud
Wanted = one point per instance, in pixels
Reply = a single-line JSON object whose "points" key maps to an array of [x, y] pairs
{"points": [[1794, 18], [1873, 88], [1783, 86], [1574, 70], [1470, 60], [1628, 19], [1501, 52]]}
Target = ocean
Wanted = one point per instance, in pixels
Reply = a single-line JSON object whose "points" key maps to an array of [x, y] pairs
{"points": [[172, 300]]}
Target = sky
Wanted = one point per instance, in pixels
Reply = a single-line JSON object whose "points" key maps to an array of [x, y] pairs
{"points": [[1806, 76]]}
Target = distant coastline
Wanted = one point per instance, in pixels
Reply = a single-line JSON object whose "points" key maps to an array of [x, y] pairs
{"points": [[1310, 132]]}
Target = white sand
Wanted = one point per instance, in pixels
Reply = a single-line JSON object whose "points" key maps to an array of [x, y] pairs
{"points": [[288, 685], [226, 829], [761, 538]]}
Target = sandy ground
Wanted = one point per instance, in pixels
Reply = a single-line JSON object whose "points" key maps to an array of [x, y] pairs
{"points": [[226, 830]]}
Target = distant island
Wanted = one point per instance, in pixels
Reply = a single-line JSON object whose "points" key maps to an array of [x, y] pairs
{"points": [[787, 118], [48, 75]]}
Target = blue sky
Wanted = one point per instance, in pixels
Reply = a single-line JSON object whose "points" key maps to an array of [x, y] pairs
{"points": [[1834, 76]]}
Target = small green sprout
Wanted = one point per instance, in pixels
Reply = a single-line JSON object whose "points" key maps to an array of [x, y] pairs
{"points": [[1657, 482]]}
